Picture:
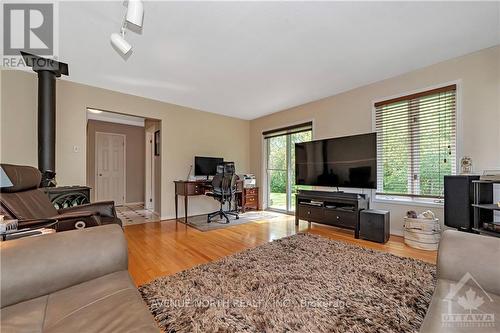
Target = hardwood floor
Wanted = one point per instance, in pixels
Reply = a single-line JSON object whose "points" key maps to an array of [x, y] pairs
{"points": [[164, 248]]}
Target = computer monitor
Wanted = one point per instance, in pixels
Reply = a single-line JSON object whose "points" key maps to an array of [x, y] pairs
{"points": [[206, 166]]}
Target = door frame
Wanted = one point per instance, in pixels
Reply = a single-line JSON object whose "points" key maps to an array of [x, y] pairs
{"points": [[149, 186], [264, 170], [124, 164]]}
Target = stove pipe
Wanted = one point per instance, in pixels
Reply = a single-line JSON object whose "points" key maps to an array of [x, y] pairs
{"points": [[47, 126], [48, 70]]}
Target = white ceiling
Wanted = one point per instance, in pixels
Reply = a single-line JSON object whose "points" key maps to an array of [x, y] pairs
{"points": [[249, 59]]}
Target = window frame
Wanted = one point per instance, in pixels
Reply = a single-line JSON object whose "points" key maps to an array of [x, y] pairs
{"points": [[415, 199]]}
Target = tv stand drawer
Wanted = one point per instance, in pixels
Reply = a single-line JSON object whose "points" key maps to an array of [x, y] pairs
{"points": [[310, 213], [341, 218]]}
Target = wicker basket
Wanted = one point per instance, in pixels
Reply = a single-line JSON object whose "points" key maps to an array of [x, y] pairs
{"points": [[422, 234]]}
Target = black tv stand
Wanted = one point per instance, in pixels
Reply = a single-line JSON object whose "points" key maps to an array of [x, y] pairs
{"points": [[339, 209]]}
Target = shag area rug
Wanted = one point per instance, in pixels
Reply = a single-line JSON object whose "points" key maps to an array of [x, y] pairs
{"points": [[302, 283], [200, 221]]}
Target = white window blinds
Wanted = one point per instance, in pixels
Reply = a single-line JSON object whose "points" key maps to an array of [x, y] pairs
{"points": [[416, 143]]}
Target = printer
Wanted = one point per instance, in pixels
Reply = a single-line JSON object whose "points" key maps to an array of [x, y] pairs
{"points": [[249, 180]]}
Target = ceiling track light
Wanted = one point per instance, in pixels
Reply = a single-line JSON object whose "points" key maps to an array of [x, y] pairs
{"points": [[135, 12], [134, 15], [118, 40]]}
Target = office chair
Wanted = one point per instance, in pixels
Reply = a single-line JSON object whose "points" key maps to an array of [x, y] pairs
{"points": [[223, 190]]}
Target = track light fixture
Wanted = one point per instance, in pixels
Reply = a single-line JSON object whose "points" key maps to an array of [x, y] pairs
{"points": [[118, 40], [134, 15], [135, 12]]}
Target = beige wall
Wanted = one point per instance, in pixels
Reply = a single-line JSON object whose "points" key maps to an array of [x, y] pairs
{"points": [[351, 113], [18, 127], [134, 157], [185, 132]]}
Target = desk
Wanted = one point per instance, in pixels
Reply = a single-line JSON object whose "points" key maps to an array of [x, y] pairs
{"points": [[189, 188]]}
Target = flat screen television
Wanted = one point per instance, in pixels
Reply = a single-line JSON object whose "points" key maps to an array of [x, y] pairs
{"points": [[349, 161], [206, 166]]}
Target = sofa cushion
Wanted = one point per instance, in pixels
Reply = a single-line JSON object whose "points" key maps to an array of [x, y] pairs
{"points": [[110, 303], [437, 318], [462, 252], [26, 316], [35, 266]]}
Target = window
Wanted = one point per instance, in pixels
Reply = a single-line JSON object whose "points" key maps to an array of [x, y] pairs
{"points": [[416, 143], [280, 164]]}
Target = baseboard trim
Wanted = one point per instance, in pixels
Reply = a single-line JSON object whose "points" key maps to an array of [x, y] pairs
{"points": [[133, 203]]}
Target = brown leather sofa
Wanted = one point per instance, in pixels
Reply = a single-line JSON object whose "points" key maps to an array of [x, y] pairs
{"points": [[75, 281], [467, 294], [27, 203]]}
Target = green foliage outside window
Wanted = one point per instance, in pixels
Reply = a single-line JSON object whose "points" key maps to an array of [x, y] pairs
{"points": [[278, 166], [418, 150]]}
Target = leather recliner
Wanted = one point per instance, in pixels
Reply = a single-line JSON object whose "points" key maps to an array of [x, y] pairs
{"points": [[25, 202]]}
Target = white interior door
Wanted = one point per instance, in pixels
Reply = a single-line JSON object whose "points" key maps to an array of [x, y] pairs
{"points": [[110, 167]]}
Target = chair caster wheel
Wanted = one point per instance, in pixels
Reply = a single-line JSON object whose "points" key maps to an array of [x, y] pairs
{"points": [[237, 217]]}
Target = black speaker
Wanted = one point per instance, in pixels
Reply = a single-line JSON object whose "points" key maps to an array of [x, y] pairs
{"points": [[458, 198], [374, 225]]}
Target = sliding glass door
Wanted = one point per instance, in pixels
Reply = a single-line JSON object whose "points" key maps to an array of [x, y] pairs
{"points": [[280, 165], [277, 172]]}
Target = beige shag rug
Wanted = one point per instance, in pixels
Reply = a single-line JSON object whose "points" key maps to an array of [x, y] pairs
{"points": [[302, 283]]}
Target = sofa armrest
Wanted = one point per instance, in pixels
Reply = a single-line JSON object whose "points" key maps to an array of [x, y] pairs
{"points": [[37, 266], [461, 253], [104, 208]]}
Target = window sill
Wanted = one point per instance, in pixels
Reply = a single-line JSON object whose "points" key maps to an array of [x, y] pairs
{"points": [[386, 199]]}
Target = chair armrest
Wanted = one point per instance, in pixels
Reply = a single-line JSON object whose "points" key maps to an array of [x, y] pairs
{"points": [[36, 266], [461, 252], [71, 215], [34, 223], [104, 208], [68, 220]]}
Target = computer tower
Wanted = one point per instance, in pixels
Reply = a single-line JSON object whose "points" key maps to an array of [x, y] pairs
{"points": [[458, 198], [374, 225]]}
